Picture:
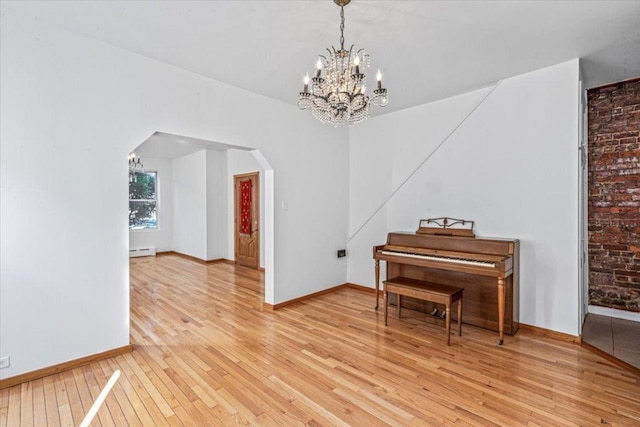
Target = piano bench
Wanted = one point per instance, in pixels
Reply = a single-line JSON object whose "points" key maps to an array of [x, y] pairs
{"points": [[428, 291]]}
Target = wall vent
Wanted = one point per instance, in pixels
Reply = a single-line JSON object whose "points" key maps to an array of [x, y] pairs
{"points": [[148, 251]]}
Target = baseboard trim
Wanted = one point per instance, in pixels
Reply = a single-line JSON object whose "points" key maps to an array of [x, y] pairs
{"points": [[65, 366], [550, 333], [196, 259], [362, 288], [220, 261], [185, 256], [614, 312], [357, 287], [535, 329], [611, 358], [302, 298]]}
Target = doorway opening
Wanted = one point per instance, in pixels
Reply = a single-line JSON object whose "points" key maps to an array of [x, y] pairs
{"points": [[195, 212], [612, 298]]}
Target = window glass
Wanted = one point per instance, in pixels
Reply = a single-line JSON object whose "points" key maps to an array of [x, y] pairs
{"points": [[143, 201]]}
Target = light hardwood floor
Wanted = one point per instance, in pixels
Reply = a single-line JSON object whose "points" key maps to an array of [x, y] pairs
{"points": [[207, 353]]}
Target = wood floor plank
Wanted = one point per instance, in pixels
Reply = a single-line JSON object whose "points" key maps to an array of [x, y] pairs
{"points": [[15, 406], [26, 404], [206, 352], [150, 390], [104, 415], [120, 408], [75, 402], [4, 407], [84, 394], [62, 400], [39, 404], [133, 391], [53, 417]]}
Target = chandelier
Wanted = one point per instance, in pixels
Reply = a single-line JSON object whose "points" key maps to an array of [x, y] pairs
{"points": [[337, 92], [135, 166]]}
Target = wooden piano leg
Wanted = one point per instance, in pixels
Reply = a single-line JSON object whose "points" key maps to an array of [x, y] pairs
{"points": [[460, 317], [501, 309], [378, 283], [448, 323], [386, 305]]}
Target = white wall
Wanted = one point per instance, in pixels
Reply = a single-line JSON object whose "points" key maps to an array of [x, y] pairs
{"points": [[512, 167], [201, 194], [190, 204], [75, 107], [161, 238], [216, 204], [239, 162]]}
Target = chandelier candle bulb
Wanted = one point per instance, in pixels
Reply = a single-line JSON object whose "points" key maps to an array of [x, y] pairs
{"points": [[306, 83]]}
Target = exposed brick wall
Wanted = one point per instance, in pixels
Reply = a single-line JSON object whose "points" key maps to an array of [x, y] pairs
{"points": [[614, 196]]}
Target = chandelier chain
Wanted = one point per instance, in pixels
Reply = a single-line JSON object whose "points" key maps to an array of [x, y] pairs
{"points": [[342, 27]]}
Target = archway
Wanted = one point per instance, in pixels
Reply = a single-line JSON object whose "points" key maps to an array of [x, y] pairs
{"points": [[209, 164]]}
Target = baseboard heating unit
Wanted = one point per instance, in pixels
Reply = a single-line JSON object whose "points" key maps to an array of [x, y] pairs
{"points": [[148, 251]]}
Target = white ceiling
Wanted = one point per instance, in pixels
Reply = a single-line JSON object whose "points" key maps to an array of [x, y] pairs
{"points": [[427, 50], [169, 146]]}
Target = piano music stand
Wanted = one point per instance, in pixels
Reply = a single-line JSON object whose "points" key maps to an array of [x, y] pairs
{"points": [[446, 226]]}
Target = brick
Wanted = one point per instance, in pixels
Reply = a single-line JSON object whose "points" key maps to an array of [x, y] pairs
{"points": [[614, 195]]}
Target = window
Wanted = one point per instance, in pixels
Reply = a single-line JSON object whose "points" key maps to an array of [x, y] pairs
{"points": [[143, 201]]}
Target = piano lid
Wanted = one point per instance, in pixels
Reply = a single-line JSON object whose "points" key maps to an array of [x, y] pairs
{"points": [[446, 226], [479, 245]]}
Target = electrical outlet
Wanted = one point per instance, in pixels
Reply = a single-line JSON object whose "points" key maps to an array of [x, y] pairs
{"points": [[5, 362]]}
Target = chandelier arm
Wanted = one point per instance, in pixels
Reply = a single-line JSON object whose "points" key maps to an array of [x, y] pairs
{"points": [[317, 98]]}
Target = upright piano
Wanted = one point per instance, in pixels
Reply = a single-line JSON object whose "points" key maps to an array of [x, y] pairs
{"points": [[445, 250]]}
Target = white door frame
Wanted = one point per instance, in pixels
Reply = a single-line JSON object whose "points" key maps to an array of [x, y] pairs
{"points": [[583, 200]]}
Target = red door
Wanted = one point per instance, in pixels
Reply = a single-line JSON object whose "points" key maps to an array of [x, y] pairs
{"points": [[246, 219]]}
